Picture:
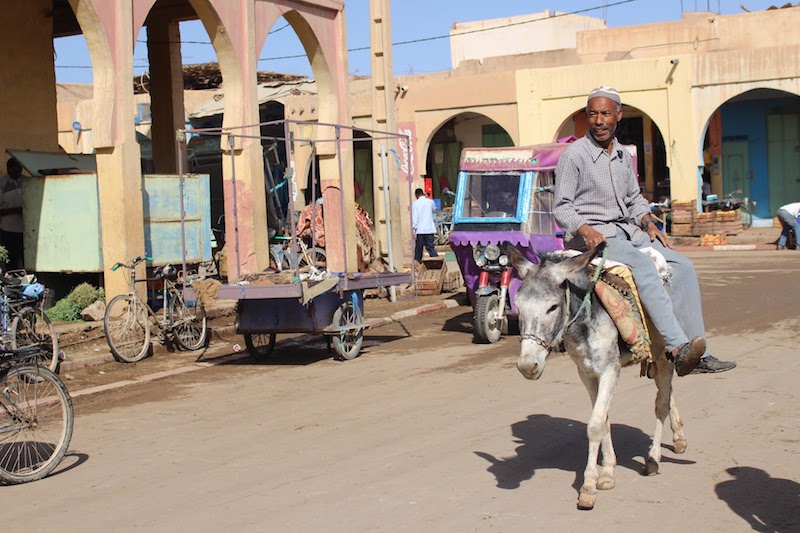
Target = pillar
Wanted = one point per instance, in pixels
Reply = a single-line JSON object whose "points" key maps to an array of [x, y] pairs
{"points": [[166, 91], [383, 119]]}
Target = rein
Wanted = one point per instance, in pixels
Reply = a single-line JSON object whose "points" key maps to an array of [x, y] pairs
{"points": [[584, 309]]}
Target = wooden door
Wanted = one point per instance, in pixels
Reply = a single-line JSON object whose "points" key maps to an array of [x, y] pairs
{"points": [[735, 167], [783, 160]]}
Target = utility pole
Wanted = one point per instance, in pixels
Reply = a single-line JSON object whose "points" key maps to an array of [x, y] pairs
{"points": [[383, 119]]}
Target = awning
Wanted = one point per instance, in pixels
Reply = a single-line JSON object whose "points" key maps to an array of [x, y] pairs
{"points": [[49, 163]]}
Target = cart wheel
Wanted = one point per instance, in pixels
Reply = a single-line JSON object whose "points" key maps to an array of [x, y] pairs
{"points": [[487, 328], [260, 345], [348, 344]]}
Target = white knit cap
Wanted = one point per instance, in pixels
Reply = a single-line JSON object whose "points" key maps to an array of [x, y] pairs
{"points": [[605, 92]]}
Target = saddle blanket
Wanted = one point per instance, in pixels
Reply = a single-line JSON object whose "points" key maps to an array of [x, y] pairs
{"points": [[616, 290]]}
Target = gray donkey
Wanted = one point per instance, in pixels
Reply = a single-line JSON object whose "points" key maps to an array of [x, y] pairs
{"points": [[550, 309]]}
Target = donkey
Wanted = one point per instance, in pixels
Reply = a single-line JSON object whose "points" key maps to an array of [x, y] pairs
{"points": [[547, 313]]}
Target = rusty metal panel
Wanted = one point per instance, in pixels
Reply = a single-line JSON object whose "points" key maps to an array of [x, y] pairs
{"points": [[162, 218]]}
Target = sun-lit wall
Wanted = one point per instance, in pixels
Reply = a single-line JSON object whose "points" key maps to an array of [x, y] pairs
{"points": [[27, 79]]}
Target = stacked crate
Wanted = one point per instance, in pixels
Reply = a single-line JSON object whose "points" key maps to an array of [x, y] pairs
{"points": [[682, 218], [687, 222]]}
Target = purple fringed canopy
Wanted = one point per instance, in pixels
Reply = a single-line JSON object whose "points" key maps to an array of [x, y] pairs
{"points": [[524, 158]]}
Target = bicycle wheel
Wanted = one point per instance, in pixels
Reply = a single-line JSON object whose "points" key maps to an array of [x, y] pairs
{"points": [[127, 328], [36, 421], [315, 256], [260, 345], [747, 216], [189, 322], [31, 327]]}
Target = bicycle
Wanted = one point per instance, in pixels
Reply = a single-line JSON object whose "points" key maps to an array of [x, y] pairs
{"points": [[313, 260], [23, 319], [126, 323], [443, 220], [36, 417]]}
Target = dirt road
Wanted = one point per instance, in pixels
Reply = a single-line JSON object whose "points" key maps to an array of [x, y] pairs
{"points": [[429, 432]]}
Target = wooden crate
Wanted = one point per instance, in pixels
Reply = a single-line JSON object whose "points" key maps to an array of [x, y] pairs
{"points": [[431, 275], [681, 230]]}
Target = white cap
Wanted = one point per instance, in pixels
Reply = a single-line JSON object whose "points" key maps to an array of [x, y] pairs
{"points": [[605, 92]]}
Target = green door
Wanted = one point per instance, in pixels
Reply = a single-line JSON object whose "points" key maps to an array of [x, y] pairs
{"points": [[783, 159], [735, 167]]}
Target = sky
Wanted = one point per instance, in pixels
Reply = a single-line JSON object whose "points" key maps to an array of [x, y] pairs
{"points": [[412, 20]]}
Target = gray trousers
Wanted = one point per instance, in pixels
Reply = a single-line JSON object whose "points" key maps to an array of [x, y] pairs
{"points": [[676, 310]]}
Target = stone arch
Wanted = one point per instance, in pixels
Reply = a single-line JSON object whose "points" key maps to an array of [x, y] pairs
{"points": [[748, 144], [444, 139], [429, 124], [103, 100], [637, 128]]}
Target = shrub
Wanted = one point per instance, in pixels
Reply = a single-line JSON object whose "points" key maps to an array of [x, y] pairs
{"points": [[69, 308]]}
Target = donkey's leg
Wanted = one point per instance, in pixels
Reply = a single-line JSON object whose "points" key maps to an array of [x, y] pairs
{"points": [[675, 422], [601, 390], [664, 403]]}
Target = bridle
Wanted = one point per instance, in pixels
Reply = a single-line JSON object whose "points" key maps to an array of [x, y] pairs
{"points": [[559, 336], [585, 309]]}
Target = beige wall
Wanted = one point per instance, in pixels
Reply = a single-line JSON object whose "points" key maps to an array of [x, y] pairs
{"points": [[537, 32], [549, 97], [27, 80]]}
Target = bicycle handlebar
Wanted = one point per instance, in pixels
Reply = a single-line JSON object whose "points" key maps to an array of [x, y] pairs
{"points": [[133, 262]]}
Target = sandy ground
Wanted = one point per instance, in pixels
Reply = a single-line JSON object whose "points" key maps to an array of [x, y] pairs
{"points": [[427, 431]]}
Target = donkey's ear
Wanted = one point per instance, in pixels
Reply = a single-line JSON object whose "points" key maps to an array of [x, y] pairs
{"points": [[520, 262], [567, 268]]}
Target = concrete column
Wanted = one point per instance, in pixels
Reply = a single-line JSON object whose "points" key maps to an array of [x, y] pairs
{"points": [[27, 79], [649, 173], [166, 91], [245, 207], [383, 119], [119, 176]]}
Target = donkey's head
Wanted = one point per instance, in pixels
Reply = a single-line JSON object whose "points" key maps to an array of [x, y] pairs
{"points": [[542, 305]]}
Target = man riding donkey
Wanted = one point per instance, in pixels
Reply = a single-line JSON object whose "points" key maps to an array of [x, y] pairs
{"points": [[598, 200]]}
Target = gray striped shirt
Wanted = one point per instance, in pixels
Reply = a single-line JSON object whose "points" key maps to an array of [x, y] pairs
{"points": [[598, 188]]}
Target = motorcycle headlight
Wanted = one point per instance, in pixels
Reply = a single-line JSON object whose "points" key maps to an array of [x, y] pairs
{"points": [[503, 260], [492, 252], [477, 255]]}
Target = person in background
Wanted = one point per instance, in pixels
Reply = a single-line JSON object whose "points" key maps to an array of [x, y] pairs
{"points": [[788, 216], [598, 199], [11, 214], [422, 226]]}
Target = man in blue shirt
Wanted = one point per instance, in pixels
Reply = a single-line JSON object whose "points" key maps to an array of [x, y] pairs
{"points": [[422, 227]]}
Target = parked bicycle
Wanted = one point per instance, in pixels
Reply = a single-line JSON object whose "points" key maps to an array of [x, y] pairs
{"points": [[24, 322], [443, 220], [128, 317], [731, 202], [36, 417], [312, 261]]}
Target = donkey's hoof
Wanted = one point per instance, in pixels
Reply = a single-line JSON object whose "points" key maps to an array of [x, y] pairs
{"points": [[651, 467], [586, 501], [680, 445], [605, 483]]}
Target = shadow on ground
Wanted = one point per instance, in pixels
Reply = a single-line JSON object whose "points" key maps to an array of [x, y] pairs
{"points": [[547, 442]]}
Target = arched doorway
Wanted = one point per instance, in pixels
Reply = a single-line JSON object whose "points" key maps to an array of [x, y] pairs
{"points": [[466, 129], [636, 129], [752, 145]]}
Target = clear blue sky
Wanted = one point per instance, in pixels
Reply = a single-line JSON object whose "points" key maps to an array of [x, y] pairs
{"points": [[411, 20]]}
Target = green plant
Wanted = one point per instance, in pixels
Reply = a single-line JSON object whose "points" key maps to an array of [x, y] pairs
{"points": [[68, 309], [3, 254]]}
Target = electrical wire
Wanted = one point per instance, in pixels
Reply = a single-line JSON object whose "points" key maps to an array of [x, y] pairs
{"points": [[604, 6]]}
